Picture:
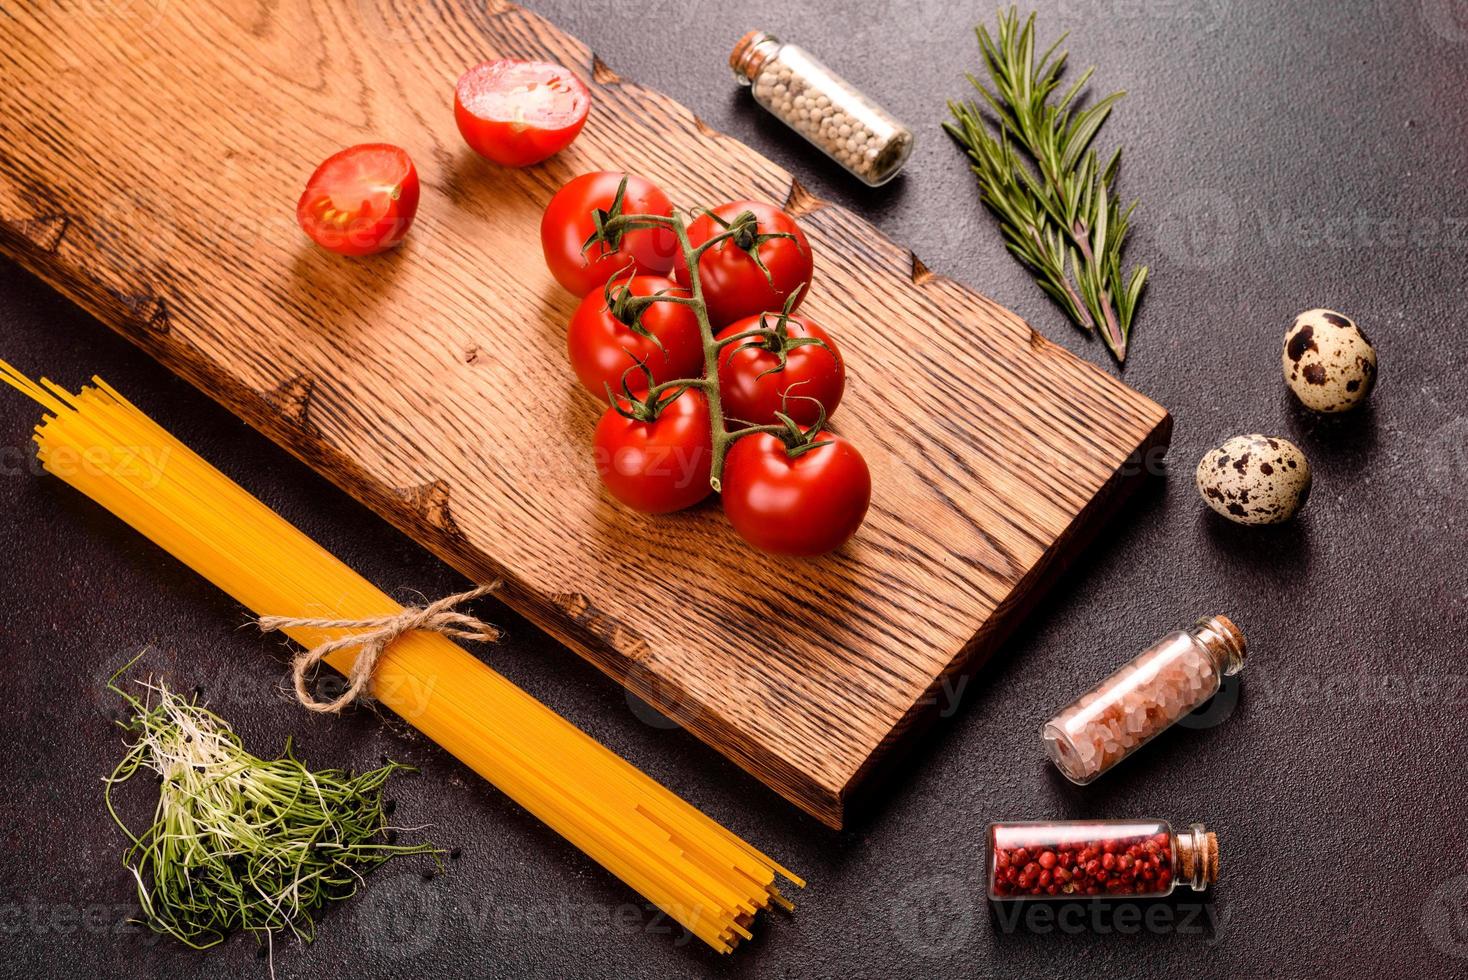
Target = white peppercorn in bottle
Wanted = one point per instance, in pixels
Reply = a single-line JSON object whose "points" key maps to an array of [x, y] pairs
{"points": [[823, 107], [1144, 698]]}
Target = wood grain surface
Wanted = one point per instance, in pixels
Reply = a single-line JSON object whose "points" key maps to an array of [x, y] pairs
{"points": [[150, 159]]}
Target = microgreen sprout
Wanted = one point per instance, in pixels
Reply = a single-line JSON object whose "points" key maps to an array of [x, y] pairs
{"points": [[238, 842]]}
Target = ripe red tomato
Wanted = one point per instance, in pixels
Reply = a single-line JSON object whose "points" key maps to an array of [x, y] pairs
{"points": [[753, 390], [657, 466], [803, 505], [519, 112], [733, 284], [361, 200], [603, 347], [568, 223]]}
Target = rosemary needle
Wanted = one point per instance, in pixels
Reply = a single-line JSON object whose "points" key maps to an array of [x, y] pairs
{"points": [[1055, 202], [238, 842]]}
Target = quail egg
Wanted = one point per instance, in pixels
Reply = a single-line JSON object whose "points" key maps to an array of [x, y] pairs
{"points": [[1255, 479], [1328, 362]]}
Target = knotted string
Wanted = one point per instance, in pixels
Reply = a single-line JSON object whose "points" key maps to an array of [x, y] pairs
{"points": [[374, 635]]}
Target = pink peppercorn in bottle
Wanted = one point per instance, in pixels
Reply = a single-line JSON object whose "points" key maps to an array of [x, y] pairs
{"points": [[1145, 697], [1098, 859]]}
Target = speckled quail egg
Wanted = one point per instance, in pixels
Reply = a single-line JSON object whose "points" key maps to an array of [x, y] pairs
{"points": [[1255, 479], [1328, 362]]}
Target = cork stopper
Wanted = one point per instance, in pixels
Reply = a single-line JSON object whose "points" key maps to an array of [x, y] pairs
{"points": [[1197, 854], [750, 54], [1224, 640]]}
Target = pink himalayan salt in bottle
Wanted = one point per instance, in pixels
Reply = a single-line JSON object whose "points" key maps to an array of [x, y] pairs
{"points": [[1145, 697]]}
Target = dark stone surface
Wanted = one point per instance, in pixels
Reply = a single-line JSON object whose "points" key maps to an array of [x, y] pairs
{"points": [[1288, 156]]}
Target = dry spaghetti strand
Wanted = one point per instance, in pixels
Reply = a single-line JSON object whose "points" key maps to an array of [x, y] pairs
{"points": [[703, 876]]}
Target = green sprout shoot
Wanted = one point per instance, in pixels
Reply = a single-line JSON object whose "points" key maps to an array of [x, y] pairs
{"points": [[238, 842]]}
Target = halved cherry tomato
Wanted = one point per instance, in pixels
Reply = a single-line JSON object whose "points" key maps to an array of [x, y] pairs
{"points": [[754, 386], [568, 222], [603, 347], [733, 284], [519, 112], [795, 505], [661, 465], [361, 200]]}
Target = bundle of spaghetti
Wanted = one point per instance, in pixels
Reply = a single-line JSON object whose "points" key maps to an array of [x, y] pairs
{"points": [[699, 873]]}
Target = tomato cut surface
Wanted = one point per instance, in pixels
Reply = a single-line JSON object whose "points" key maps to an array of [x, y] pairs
{"points": [[517, 113], [361, 200]]}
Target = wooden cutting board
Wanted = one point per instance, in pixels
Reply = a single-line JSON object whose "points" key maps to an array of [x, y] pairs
{"points": [[151, 154]]}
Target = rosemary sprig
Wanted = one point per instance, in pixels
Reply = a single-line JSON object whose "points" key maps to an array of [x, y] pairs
{"points": [[1055, 201], [239, 842]]}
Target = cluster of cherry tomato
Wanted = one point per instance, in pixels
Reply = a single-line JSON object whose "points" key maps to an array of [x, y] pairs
{"points": [[788, 486], [762, 379]]}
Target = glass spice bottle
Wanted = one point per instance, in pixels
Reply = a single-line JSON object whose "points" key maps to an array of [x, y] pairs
{"points": [[1098, 859], [1145, 697], [823, 107]]}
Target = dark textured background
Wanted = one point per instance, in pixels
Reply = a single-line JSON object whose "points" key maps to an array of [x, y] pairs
{"points": [[1288, 156]]}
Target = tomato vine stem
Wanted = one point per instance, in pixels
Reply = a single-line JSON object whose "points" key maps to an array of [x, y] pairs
{"points": [[721, 438]]}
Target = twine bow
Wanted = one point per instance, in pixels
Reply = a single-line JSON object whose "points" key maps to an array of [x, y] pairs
{"points": [[374, 635]]}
